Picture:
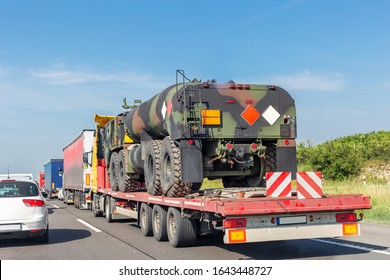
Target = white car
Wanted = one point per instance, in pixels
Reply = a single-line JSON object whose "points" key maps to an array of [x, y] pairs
{"points": [[23, 210]]}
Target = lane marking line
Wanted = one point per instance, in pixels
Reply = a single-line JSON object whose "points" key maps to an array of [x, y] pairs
{"points": [[367, 249], [55, 206], [88, 225]]}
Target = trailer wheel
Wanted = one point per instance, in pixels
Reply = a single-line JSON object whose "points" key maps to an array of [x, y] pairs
{"points": [[171, 183], [124, 181], [152, 167], [159, 223], [108, 209], [113, 172], [146, 219], [181, 231]]}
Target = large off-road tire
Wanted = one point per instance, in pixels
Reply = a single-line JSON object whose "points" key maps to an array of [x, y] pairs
{"points": [[125, 183], [146, 219], [152, 167], [270, 158], [181, 231], [159, 223], [113, 172], [171, 183]]}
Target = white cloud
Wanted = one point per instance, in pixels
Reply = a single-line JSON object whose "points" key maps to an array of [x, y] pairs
{"points": [[62, 76], [309, 81]]}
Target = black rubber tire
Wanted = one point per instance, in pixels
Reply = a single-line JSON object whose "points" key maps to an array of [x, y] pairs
{"points": [[113, 172], [270, 158], [159, 223], [152, 167], [97, 211], [255, 180], [45, 237], [108, 209], [171, 183], [145, 219], [181, 231], [77, 199], [124, 181]]}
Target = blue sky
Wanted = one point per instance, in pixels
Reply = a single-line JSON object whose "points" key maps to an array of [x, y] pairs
{"points": [[63, 61]]}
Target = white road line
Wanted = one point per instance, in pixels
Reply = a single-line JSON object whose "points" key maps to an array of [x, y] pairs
{"points": [[55, 206], [384, 252], [88, 225]]}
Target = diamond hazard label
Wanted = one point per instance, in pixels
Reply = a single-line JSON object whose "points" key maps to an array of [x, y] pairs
{"points": [[163, 110], [271, 115], [250, 115]]}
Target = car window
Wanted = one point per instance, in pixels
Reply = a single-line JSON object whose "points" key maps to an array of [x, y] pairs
{"points": [[18, 189]]}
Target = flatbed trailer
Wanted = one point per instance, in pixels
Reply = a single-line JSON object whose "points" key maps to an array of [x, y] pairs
{"points": [[242, 215]]}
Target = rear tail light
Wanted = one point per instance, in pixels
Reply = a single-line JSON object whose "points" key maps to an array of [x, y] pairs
{"points": [[346, 217], [33, 202], [234, 223], [232, 86]]}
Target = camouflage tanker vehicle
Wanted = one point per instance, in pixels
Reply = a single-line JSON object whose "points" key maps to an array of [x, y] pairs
{"points": [[196, 130]]}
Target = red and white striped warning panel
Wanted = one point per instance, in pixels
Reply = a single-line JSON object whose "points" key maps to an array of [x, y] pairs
{"points": [[309, 185], [278, 184]]}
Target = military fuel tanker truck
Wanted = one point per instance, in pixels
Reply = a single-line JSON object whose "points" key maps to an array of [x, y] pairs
{"points": [[194, 130]]}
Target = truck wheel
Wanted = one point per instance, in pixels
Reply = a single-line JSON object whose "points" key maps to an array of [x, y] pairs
{"points": [[152, 167], [76, 200], [146, 219], [256, 179], [171, 183], [94, 209], [123, 178], [270, 158], [181, 231], [108, 210], [159, 223], [113, 172]]}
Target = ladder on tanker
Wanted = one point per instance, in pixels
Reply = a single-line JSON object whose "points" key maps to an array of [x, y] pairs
{"points": [[193, 105]]}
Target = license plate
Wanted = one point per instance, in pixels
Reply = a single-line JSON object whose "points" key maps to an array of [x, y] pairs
{"points": [[16, 227], [291, 220]]}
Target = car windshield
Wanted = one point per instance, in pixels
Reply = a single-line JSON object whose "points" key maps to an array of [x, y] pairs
{"points": [[18, 189]]}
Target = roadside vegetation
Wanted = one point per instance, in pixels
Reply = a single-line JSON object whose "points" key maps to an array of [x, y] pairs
{"points": [[358, 164], [354, 164]]}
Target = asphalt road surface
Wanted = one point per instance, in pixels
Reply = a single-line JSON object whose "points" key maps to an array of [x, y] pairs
{"points": [[77, 235]]}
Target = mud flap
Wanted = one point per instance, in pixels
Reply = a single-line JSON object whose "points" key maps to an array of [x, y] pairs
{"points": [[286, 157], [191, 162]]}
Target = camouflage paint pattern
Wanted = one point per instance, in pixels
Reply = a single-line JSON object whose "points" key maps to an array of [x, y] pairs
{"points": [[176, 112]]}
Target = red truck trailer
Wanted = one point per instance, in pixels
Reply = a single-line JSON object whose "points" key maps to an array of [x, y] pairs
{"points": [[77, 173], [278, 211]]}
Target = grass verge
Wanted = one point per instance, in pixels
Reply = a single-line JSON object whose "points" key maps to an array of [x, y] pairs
{"points": [[379, 194]]}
